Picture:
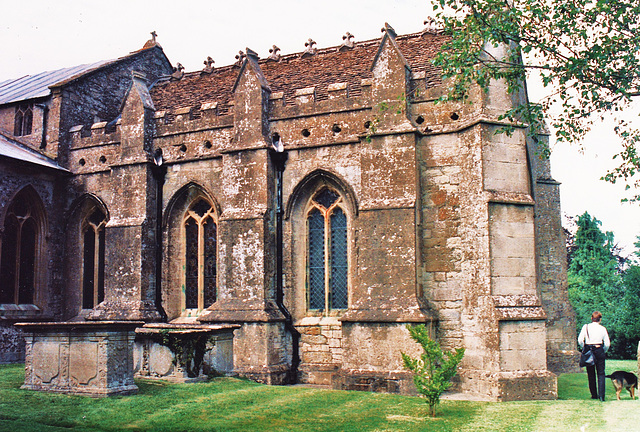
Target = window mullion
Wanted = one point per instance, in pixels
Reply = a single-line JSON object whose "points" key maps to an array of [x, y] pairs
{"points": [[327, 262], [201, 264], [16, 279], [96, 264]]}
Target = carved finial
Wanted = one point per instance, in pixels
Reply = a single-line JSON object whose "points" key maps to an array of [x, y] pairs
{"points": [[310, 50], [178, 72], [275, 53], [208, 65], [240, 58], [431, 26], [348, 42], [152, 42]]}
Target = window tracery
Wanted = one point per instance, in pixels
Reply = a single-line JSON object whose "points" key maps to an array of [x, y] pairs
{"points": [[23, 120], [200, 231], [327, 261], [19, 253], [93, 235]]}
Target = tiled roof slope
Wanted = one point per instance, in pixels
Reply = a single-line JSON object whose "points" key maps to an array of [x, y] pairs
{"points": [[292, 72]]}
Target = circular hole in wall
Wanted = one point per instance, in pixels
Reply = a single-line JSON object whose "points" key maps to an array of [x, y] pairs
{"points": [[208, 144], [103, 159], [183, 148], [336, 128], [82, 162], [454, 116], [305, 133], [420, 120]]}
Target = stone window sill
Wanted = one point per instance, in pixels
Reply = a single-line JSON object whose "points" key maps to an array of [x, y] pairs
{"points": [[316, 321], [19, 311]]}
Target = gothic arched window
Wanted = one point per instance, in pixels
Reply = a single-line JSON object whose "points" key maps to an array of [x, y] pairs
{"points": [[327, 267], [23, 120], [19, 250], [93, 236], [201, 233]]}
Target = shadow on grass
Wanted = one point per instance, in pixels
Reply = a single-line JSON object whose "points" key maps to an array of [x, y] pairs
{"points": [[229, 404]]}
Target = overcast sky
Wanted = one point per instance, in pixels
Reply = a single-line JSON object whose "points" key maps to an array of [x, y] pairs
{"points": [[38, 35]]}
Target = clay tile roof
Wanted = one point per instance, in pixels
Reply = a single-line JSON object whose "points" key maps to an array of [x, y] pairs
{"points": [[292, 72]]}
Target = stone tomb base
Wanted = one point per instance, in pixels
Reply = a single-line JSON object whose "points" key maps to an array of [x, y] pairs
{"points": [[183, 352], [93, 358]]}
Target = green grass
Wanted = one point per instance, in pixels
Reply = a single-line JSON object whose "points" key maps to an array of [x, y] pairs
{"points": [[228, 404]]}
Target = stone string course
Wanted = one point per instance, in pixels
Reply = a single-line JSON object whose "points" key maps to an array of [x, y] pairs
{"points": [[449, 223]]}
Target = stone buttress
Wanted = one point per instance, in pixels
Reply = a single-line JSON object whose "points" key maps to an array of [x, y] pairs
{"points": [[442, 221]]}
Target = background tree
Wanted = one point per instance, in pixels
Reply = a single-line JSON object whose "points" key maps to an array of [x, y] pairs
{"points": [[601, 279], [586, 51]]}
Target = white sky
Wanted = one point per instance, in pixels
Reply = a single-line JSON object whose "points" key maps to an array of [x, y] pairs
{"points": [[39, 35]]}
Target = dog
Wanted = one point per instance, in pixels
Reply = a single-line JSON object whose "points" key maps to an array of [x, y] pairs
{"points": [[622, 379]]}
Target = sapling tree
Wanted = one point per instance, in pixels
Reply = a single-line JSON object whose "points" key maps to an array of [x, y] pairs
{"points": [[434, 369]]}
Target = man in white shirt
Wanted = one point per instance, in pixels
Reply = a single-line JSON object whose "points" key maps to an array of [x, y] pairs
{"points": [[594, 336]]}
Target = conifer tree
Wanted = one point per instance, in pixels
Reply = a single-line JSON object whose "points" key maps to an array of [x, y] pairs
{"points": [[433, 370]]}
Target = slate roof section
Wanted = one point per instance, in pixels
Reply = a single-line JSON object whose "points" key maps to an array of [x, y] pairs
{"points": [[12, 149], [292, 72], [37, 86]]}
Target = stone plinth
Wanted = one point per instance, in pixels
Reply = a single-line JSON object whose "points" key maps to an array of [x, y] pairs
{"points": [[85, 358], [183, 352]]}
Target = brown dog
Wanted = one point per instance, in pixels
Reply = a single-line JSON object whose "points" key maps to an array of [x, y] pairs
{"points": [[622, 379]]}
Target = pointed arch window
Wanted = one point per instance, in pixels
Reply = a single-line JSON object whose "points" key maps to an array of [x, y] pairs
{"points": [[19, 253], [23, 120], [327, 266], [201, 237], [93, 235]]}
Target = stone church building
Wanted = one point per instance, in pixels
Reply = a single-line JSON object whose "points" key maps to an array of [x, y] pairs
{"points": [[318, 201]]}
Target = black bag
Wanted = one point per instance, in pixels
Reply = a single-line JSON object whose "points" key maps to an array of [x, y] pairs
{"points": [[587, 358]]}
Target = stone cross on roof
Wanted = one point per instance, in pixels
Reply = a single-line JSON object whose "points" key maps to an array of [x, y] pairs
{"points": [[151, 42], [240, 57], [275, 53], [348, 42], [178, 72], [311, 49], [432, 26], [208, 65]]}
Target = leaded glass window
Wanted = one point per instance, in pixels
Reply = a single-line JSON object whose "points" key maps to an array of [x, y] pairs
{"points": [[23, 120], [327, 267], [18, 254], [201, 236], [93, 259]]}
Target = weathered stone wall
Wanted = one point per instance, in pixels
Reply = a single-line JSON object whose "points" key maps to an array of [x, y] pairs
{"points": [[35, 138], [442, 223], [321, 351], [43, 188], [562, 355]]}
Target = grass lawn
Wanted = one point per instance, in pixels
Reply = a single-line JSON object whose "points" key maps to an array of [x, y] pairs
{"points": [[228, 404]]}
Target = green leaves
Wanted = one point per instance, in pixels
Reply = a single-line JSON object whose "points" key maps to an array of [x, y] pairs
{"points": [[599, 279], [587, 52], [433, 370]]}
